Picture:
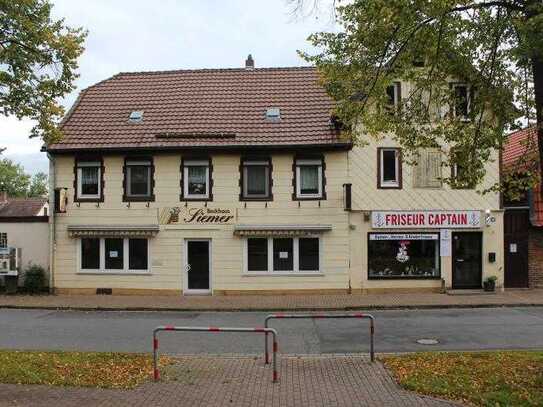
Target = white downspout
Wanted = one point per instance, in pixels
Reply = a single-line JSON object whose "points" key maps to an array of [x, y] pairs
{"points": [[52, 216]]}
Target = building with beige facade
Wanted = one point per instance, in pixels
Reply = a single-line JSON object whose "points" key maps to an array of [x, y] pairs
{"points": [[232, 181]]}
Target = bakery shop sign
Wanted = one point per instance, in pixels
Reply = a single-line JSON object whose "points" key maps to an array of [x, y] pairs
{"points": [[179, 215], [425, 219]]}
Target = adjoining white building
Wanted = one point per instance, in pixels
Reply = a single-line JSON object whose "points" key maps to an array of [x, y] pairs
{"points": [[24, 226]]}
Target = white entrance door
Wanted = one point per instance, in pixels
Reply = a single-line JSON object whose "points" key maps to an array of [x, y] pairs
{"points": [[197, 273]]}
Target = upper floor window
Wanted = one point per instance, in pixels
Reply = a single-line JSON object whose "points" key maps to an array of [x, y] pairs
{"points": [[3, 240], [309, 178], [256, 179], [459, 176], [89, 180], [389, 168], [196, 183], [138, 183], [394, 96], [427, 171], [462, 100]]}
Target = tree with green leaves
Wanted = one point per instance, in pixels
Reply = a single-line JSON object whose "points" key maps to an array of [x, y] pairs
{"points": [[19, 184], [495, 47], [38, 62]]}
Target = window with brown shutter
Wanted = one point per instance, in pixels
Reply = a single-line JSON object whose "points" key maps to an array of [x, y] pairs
{"points": [[427, 171]]}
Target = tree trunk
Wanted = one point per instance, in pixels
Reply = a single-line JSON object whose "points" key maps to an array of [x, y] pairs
{"points": [[537, 66]]}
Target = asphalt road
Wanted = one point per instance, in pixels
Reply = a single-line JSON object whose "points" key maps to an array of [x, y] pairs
{"points": [[396, 331]]}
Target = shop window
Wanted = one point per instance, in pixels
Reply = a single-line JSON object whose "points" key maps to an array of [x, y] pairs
{"points": [[282, 255], [90, 254], [462, 101], [309, 179], [309, 254], [403, 256], [257, 254], [283, 252], [196, 180], [138, 184], [89, 180], [389, 168], [256, 179], [138, 256], [3, 240], [114, 254]]}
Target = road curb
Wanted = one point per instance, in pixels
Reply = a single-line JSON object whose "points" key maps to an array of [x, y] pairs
{"points": [[268, 309]]}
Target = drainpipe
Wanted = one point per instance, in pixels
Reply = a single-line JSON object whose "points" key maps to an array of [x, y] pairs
{"points": [[52, 215]]}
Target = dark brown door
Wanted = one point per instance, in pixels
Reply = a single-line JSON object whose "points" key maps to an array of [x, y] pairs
{"points": [[516, 229], [198, 264], [467, 258]]}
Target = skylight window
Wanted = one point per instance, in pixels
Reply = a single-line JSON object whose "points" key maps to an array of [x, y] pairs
{"points": [[136, 116], [273, 113]]}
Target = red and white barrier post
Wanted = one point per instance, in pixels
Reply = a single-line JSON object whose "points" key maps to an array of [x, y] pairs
{"points": [[319, 316], [265, 331]]}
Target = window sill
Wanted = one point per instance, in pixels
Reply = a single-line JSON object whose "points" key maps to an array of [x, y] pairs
{"points": [[285, 274], [115, 273], [195, 199], [91, 200], [309, 198], [405, 278], [139, 198]]}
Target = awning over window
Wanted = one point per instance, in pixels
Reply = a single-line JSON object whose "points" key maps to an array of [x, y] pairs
{"points": [[280, 230], [113, 230]]}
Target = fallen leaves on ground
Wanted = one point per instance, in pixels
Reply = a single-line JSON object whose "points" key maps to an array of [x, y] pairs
{"points": [[84, 369], [494, 379]]}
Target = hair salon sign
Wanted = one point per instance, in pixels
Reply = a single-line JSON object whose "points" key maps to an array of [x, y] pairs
{"points": [[186, 215], [425, 219]]}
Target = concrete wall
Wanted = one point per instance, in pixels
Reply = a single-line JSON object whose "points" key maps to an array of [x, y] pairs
{"points": [[32, 238]]}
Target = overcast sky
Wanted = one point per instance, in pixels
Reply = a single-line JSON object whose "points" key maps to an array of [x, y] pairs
{"points": [[143, 35]]}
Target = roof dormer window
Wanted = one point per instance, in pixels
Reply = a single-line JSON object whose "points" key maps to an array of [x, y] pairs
{"points": [[136, 116], [273, 114]]}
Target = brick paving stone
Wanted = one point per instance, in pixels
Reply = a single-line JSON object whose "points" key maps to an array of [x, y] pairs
{"points": [[273, 302], [194, 381]]}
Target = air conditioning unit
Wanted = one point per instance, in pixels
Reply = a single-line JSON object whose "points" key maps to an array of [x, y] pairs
{"points": [[10, 260]]}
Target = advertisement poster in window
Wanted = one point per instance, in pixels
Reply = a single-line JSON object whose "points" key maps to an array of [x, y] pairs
{"points": [[403, 255]]}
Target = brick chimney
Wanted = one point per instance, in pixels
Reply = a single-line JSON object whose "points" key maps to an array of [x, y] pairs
{"points": [[250, 63]]}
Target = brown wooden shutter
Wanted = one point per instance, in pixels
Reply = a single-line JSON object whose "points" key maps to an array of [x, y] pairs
{"points": [[434, 169], [427, 172]]}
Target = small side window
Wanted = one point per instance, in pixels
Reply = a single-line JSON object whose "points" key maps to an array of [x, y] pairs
{"points": [[389, 168], [461, 101], [394, 97]]}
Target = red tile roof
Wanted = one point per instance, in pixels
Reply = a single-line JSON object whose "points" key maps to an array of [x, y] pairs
{"points": [[21, 207], [202, 108], [520, 143], [524, 143]]}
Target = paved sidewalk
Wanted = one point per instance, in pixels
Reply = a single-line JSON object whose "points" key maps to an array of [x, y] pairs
{"points": [[213, 381], [273, 302]]}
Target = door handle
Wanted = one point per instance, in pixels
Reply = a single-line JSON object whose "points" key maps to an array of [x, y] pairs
{"points": [[187, 268], [459, 260]]}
